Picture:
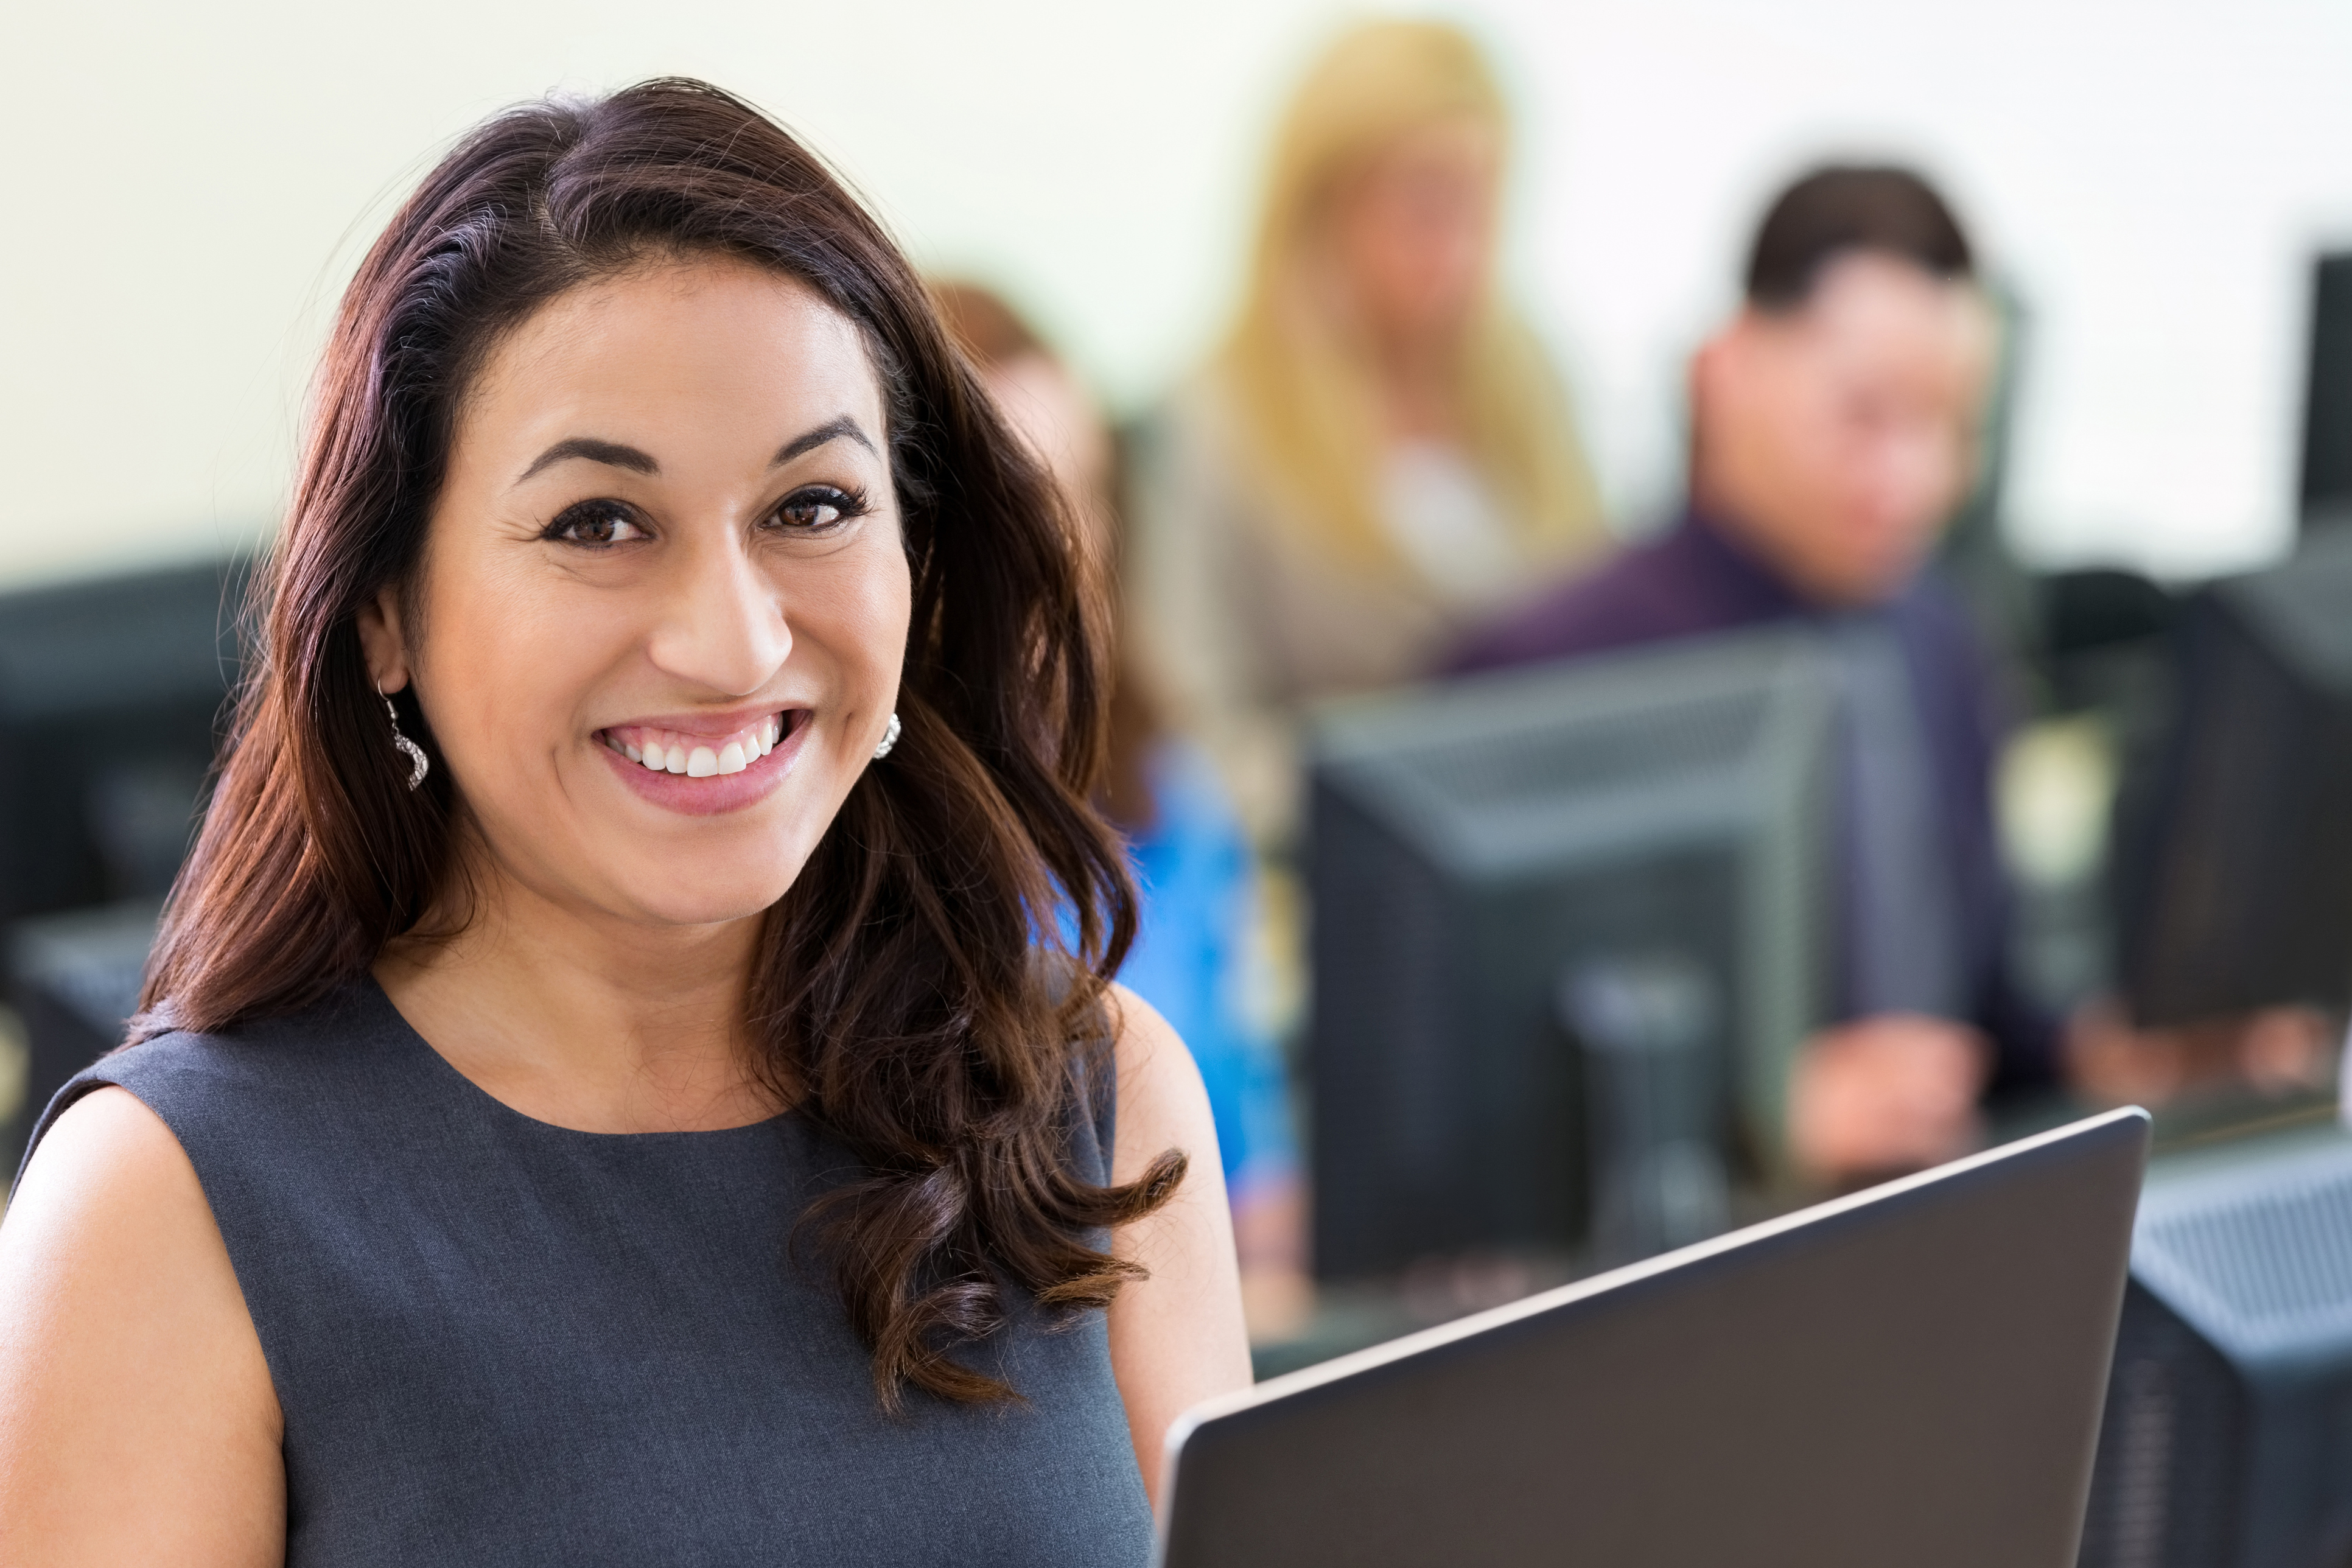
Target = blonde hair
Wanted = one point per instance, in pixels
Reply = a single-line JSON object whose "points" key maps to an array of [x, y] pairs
{"points": [[1307, 395]]}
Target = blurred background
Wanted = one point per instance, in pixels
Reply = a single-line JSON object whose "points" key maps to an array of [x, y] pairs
{"points": [[195, 184], [1553, 852]]}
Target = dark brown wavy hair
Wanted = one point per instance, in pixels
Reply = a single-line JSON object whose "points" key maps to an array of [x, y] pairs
{"points": [[906, 992]]}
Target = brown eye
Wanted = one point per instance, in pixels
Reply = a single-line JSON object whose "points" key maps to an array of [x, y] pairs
{"points": [[596, 523], [818, 509]]}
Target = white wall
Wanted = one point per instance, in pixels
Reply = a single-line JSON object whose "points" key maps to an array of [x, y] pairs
{"points": [[185, 187]]}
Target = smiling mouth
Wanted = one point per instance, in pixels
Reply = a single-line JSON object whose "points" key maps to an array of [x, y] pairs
{"points": [[701, 756]]}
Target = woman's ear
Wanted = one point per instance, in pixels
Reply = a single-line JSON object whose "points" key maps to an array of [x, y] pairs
{"points": [[383, 643]]}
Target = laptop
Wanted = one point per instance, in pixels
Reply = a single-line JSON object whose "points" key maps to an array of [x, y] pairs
{"points": [[1911, 1376]]}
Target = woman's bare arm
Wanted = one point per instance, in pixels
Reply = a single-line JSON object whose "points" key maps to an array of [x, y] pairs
{"points": [[1177, 1337], [137, 1422]]}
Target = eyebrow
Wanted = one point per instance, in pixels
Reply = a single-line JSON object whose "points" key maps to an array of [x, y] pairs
{"points": [[612, 453], [833, 430], [615, 454]]}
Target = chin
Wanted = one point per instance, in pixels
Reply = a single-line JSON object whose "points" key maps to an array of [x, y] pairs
{"points": [[1873, 576], [707, 907], [708, 895]]}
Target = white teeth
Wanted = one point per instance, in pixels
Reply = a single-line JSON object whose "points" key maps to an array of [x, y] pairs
{"points": [[701, 761]]}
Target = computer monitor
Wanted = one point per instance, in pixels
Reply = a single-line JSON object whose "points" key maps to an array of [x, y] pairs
{"points": [[1911, 1376], [2326, 487], [111, 696], [2228, 1436], [111, 691], [1566, 937], [2233, 865]]}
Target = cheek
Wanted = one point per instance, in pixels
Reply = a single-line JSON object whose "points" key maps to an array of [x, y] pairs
{"points": [[857, 614], [1444, 255], [1926, 470], [1806, 437], [518, 652], [1385, 254]]}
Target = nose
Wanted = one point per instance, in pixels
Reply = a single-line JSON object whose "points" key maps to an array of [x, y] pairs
{"points": [[721, 625]]}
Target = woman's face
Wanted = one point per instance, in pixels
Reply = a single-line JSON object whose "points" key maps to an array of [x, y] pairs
{"points": [[1414, 229], [664, 597]]}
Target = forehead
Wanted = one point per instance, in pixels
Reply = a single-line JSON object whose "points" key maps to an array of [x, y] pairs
{"points": [[1869, 311], [1457, 145], [705, 346]]}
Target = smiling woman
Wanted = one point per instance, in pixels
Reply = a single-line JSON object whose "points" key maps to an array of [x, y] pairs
{"points": [[655, 1133]]}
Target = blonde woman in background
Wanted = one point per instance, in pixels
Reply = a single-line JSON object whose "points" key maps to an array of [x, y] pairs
{"points": [[1380, 454]]}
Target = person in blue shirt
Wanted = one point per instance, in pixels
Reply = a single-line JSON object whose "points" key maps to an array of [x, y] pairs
{"points": [[1199, 953], [1194, 959]]}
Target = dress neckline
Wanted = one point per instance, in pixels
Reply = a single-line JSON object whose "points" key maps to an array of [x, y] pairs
{"points": [[373, 998]]}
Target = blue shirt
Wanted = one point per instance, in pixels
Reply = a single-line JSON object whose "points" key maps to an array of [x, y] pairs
{"points": [[1196, 960]]}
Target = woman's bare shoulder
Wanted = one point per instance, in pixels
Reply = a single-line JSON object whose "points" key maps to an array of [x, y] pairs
{"points": [[137, 1417], [1161, 1103], [106, 1139], [108, 1185], [1176, 1334]]}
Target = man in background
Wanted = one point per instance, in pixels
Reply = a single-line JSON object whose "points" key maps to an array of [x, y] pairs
{"points": [[1834, 423]]}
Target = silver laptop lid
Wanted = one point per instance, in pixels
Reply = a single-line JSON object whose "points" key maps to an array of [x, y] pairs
{"points": [[1912, 1374]]}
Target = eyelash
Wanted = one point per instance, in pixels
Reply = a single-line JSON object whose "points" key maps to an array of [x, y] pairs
{"points": [[847, 504], [583, 513]]}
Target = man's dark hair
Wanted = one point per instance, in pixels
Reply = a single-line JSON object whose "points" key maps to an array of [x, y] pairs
{"points": [[1843, 208]]}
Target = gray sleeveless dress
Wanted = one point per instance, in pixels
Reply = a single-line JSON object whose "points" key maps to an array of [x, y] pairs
{"points": [[498, 1341]]}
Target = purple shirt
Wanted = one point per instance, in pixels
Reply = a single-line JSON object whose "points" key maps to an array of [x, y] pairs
{"points": [[1695, 580]]}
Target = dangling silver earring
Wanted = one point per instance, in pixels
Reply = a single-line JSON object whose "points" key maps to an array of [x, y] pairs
{"points": [[890, 739], [417, 762]]}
